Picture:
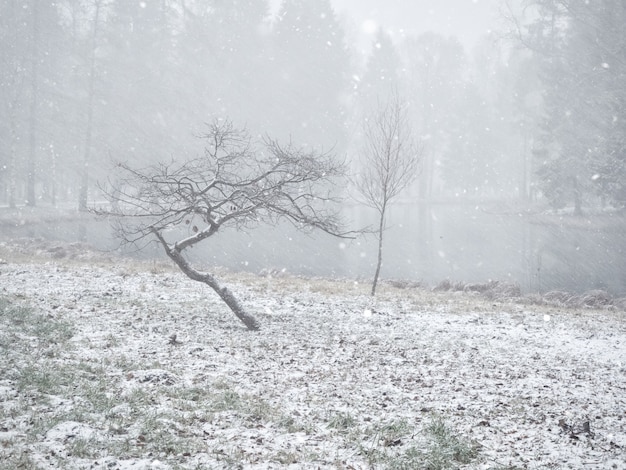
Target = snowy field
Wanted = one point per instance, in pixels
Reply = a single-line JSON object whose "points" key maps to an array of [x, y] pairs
{"points": [[113, 364]]}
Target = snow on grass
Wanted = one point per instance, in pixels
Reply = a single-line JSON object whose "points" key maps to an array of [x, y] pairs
{"points": [[121, 365]]}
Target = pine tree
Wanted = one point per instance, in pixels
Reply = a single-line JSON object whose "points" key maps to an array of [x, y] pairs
{"points": [[381, 80], [312, 66], [221, 61], [436, 73], [581, 148]]}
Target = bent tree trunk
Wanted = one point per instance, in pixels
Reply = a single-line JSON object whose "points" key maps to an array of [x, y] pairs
{"points": [[226, 295]]}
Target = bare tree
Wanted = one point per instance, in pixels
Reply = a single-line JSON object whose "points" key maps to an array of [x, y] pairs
{"points": [[234, 185], [389, 163]]}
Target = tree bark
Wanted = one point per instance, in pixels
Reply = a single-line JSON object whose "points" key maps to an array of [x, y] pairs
{"points": [[12, 156], [84, 173], [381, 231], [578, 203], [226, 295], [32, 155]]}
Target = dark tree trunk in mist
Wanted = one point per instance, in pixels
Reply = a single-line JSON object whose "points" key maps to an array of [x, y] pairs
{"points": [[12, 160], [52, 188], [15, 65], [578, 199], [84, 173], [32, 153]]}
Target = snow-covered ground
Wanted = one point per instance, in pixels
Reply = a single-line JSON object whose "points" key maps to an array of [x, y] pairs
{"points": [[116, 364]]}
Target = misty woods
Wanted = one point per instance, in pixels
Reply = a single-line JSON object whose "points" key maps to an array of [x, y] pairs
{"points": [[535, 115], [530, 119]]}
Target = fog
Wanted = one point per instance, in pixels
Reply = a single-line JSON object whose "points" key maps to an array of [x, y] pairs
{"points": [[469, 21], [518, 110]]}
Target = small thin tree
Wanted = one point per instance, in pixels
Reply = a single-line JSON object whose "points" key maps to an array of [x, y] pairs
{"points": [[237, 184], [389, 164]]}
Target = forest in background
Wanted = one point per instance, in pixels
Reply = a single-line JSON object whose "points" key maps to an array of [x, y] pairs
{"points": [[534, 112]]}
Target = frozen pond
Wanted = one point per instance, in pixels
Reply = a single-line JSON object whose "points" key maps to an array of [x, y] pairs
{"points": [[429, 243]]}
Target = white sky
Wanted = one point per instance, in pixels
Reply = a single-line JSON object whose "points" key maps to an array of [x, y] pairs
{"points": [[466, 19]]}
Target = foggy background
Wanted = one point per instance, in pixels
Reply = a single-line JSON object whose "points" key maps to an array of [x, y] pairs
{"points": [[519, 108]]}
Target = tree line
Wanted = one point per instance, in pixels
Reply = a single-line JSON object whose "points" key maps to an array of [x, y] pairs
{"points": [[535, 116], [579, 52]]}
